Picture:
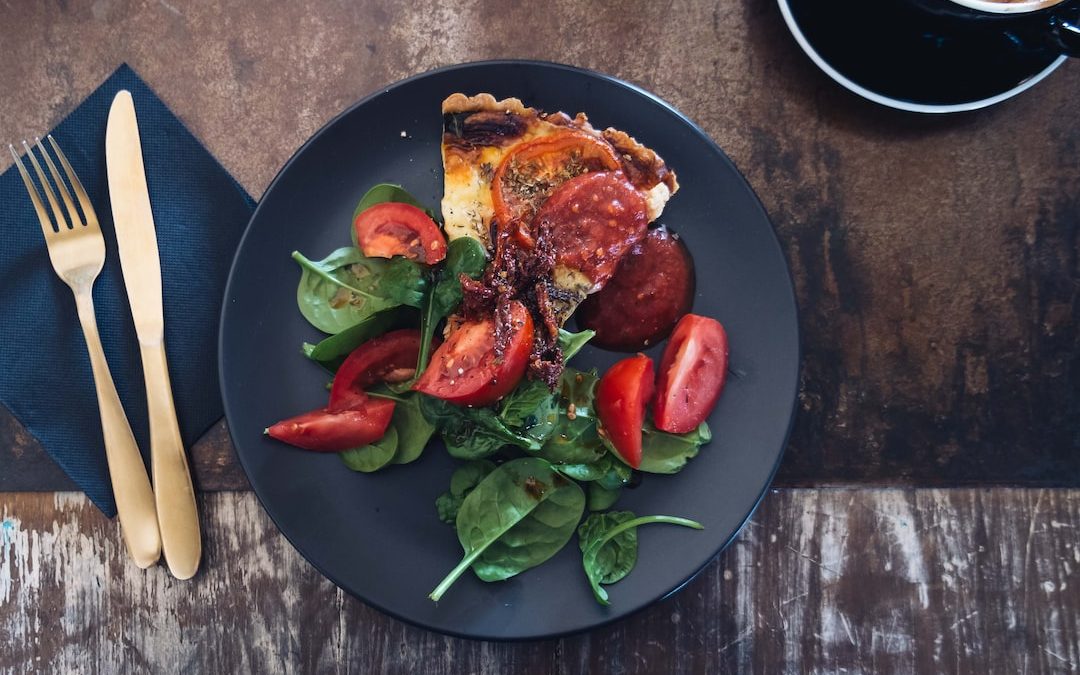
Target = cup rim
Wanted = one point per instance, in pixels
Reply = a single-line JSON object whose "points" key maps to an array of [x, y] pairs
{"points": [[901, 104], [1009, 6]]}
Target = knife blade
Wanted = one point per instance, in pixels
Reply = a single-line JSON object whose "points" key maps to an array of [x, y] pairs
{"points": [[136, 239]]}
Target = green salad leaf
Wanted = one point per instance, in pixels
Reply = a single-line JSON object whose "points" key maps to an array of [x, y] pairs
{"points": [[472, 433], [345, 288], [607, 554], [666, 453], [574, 439], [571, 343], [386, 192], [520, 515], [413, 429], [532, 409], [601, 498], [372, 457], [617, 556], [464, 255], [609, 472], [462, 481], [331, 351]]}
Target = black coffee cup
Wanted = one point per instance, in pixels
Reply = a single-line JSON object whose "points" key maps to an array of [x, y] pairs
{"points": [[1036, 25]]}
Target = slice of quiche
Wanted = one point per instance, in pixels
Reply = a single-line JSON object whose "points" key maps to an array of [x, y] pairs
{"points": [[480, 132], [556, 202]]}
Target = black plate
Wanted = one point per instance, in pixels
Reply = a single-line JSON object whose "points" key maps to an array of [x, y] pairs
{"points": [[377, 536], [891, 53]]}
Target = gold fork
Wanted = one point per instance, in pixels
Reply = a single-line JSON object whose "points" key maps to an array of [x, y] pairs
{"points": [[77, 252]]}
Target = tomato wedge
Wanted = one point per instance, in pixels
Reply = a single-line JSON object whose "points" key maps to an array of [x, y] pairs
{"points": [[692, 374], [329, 431], [621, 397], [465, 370], [545, 163], [392, 228], [391, 357]]}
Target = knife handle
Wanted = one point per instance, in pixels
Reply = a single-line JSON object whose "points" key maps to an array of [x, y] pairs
{"points": [[178, 517], [131, 485]]}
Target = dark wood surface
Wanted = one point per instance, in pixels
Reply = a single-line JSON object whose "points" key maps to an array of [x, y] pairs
{"points": [[831, 581], [936, 266]]}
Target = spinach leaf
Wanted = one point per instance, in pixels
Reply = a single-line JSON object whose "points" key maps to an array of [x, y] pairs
{"points": [[468, 475], [574, 440], [464, 255], [331, 351], [389, 192], [600, 562], [571, 343], [345, 288], [462, 481], [609, 472], [385, 192], [600, 498], [532, 409], [413, 429], [617, 556], [472, 433], [662, 452], [375, 456], [520, 515]]}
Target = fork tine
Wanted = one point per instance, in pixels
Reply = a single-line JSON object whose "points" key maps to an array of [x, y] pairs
{"points": [[61, 187], [60, 221], [43, 216], [84, 199]]}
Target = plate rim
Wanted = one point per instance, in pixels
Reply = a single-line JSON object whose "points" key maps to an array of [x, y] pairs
{"points": [[703, 136], [897, 103]]}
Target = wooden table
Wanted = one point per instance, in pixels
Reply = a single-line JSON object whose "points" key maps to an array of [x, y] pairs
{"points": [[935, 261]]}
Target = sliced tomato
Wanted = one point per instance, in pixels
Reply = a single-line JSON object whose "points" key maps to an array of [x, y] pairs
{"points": [[594, 219], [330, 431], [391, 357], [465, 370], [528, 174], [391, 228], [692, 374], [621, 397]]}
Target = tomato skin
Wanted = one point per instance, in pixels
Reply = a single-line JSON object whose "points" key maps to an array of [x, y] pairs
{"points": [[391, 357], [594, 219], [546, 157], [329, 431], [692, 374], [465, 371], [392, 228], [621, 397]]}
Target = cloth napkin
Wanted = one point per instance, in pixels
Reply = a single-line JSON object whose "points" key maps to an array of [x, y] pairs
{"points": [[200, 213]]}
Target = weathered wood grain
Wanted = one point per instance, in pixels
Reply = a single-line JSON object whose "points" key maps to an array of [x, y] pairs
{"points": [[959, 581], [935, 258]]}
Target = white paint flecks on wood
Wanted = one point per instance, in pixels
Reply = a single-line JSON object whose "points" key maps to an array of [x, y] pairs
{"points": [[820, 581]]}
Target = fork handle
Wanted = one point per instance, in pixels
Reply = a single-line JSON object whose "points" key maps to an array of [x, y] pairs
{"points": [[131, 485], [178, 516]]}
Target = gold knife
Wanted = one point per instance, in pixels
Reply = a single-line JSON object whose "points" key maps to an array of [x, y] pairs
{"points": [[178, 518]]}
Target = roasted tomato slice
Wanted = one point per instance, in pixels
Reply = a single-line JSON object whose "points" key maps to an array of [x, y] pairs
{"points": [[692, 374], [621, 397], [391, 228], [391, 357], [530, 172], [329, 431], [465, 370], [594, 219], [653, 287]]}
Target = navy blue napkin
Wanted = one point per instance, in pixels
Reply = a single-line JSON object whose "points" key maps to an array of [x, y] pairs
{"points": [[199, 211]]}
